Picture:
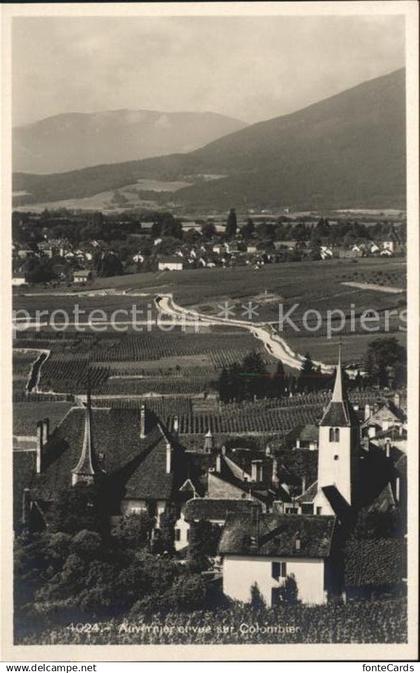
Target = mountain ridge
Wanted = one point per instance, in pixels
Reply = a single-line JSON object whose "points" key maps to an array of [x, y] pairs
{"points": [[345, 151], [76, 140]]}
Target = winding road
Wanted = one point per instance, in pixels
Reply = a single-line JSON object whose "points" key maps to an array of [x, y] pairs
{"points": [[273, 343]]}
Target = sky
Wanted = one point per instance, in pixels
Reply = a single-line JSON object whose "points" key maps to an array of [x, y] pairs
{"points": [[250, 68]]}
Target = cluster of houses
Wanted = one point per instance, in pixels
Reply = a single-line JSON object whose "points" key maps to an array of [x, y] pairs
{"points": [[270, 527], [220, 252], [70, 263], [74, 262]]}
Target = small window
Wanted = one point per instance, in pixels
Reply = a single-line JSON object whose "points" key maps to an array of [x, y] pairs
{"points": [[334, 434], [177, 534], [318, 510], [336, 457], [278, 569], [307, 508]]}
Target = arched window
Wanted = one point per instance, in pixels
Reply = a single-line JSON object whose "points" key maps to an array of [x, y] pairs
{"points": [[334, 434]]}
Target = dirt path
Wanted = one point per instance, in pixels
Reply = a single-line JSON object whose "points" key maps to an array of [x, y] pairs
{"points": [[273, 343]]}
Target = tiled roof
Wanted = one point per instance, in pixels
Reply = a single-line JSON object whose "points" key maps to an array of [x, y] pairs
{"points": [[27, 414], [340, 414], [374, 562], [219, 509], [277, 535], [134, 467]]}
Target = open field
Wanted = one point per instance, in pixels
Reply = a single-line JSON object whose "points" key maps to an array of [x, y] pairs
{"points": [[188, 362]]}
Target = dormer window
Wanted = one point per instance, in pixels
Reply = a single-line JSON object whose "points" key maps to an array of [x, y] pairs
{"points": [[334, 434]]}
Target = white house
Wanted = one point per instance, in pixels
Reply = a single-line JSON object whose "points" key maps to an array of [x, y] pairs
{"points": [[266, 549], [170, 264], [251, 248], [82, 276], [219, 248], [18, 279], [308, 438]]}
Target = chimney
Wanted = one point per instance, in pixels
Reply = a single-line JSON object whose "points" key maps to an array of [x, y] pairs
{"points": [[367, 411], [303, 484], [218, 463], [208, 442], [39, 446], [223, 450], [297, 542], [274, 473], [397, 400], [168, 458], [142, 421], [176, 427], [268, 450], [388, 447], [256, 470], [398, 489], [26, 506], [46, 424]]}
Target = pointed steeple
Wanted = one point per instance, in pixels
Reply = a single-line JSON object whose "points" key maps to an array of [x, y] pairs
{"points": [[339, 411], [338, 393], [87, 466]]}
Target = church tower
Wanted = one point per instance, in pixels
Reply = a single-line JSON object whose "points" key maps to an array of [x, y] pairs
{"points": [[87, 467], [339, 444]]}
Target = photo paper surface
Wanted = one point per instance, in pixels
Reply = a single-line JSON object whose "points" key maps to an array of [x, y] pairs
{"points": [[210, 338]]}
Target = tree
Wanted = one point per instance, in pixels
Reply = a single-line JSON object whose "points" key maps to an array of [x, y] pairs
{"points": [[257, 601], [289, 590], [306, 375], [231, 224], [254, 380], [208, 230], [386, 359], [134, 530], [278, 381], [248, 229], [109, 264], [81, 507], [202, 545]]}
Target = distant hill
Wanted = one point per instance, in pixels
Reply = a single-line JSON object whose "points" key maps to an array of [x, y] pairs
{"points": [[76, 140], [345, 151]]}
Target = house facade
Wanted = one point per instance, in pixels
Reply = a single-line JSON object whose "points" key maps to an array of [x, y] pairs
{"points": [[266, 549], [170, 264]]}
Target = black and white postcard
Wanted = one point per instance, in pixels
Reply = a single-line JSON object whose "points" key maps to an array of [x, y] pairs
{"points": [[210, 331]]}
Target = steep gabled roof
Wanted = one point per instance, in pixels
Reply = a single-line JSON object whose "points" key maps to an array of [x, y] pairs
{"points": [[134, 467], [217, 509], [339, 411], [309, 494], [276, 535]]}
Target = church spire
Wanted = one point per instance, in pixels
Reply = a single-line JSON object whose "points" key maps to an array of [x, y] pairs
{"points": [[339, 411], [338, 393], [87, 466]]}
